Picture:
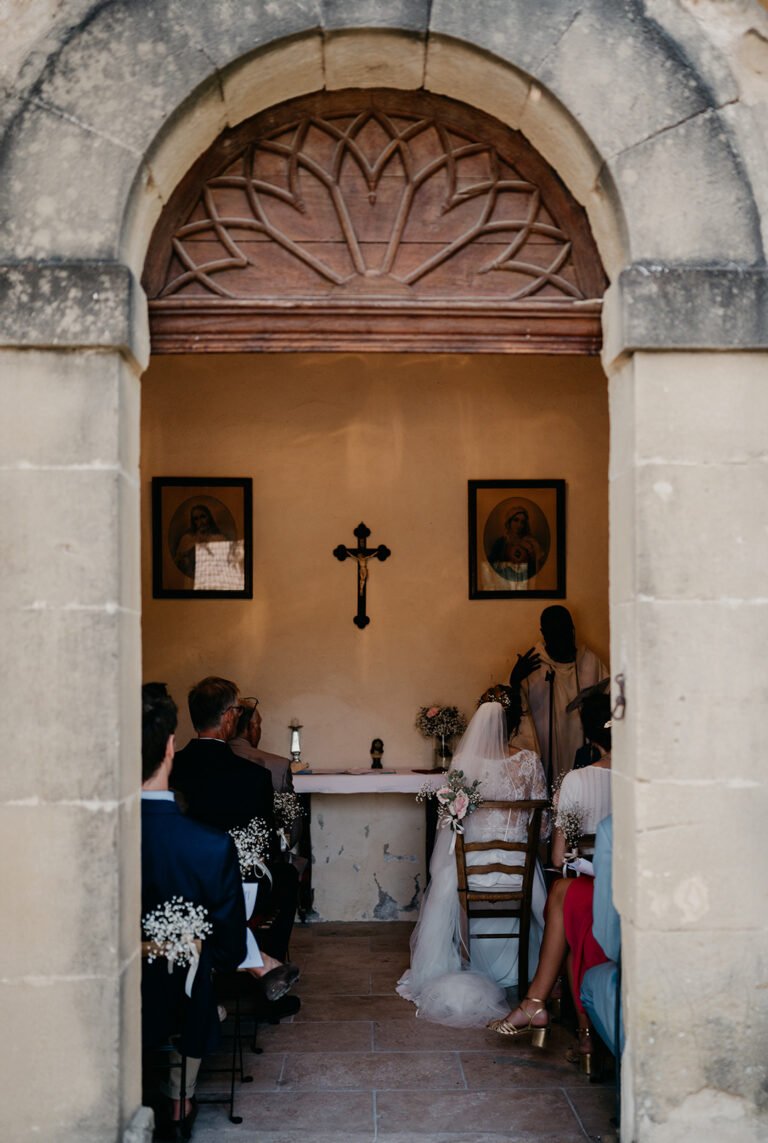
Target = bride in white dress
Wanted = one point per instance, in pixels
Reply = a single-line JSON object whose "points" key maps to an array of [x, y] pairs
{"points": [[443, 990]]}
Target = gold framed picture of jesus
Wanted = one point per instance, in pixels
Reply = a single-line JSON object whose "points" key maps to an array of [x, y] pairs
{"points": [[516, 539], [202, 530]]}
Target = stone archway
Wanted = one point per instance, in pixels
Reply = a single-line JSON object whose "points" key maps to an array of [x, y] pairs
{"points": [[122, 105]]}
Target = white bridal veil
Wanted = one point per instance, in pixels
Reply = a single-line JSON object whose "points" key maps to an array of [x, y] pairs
{"points": [[436, 982]]}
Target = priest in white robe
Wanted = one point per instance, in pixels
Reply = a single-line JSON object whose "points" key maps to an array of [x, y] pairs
{"points": [[550, 675]]}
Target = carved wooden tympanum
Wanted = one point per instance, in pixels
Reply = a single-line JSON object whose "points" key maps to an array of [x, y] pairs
{"points": [[377, 220]]}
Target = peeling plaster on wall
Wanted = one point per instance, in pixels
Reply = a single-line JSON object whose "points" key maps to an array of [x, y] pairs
{"points": [[387, 908], [398, 856], [356, 867], [415, 901], [367, 831], [320, 821]]}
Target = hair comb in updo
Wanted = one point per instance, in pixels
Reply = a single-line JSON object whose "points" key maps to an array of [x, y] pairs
{"points": [[497, 693]]}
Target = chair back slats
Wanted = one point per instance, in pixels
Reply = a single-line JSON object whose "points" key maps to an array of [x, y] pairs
{"points": [[512, 900]]}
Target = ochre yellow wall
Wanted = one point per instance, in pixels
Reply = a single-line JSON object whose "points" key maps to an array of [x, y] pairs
{"points": [[392, 440]]}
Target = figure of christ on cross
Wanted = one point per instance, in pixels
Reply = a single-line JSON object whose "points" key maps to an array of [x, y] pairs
{"points": [[361, 554]]}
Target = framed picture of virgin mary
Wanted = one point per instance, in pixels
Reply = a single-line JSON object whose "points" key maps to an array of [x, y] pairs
{"points": [[202, 537], [516, 539]]}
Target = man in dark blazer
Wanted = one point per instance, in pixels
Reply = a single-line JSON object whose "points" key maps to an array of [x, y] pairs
{"points": [[182, 857], [221, 789]]}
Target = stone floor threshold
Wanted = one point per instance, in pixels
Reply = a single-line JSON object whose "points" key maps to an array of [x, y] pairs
{"points": [[356, 1066]]}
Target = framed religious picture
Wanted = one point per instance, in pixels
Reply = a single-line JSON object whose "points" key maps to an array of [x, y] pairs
{"points": [[202, 537], [516, 539]]}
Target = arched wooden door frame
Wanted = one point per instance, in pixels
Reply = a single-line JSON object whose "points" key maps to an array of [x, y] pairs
{"points": [[373, 220]]}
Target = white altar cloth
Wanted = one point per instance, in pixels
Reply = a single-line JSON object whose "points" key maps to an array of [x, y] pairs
{"points": [[369, 782]]}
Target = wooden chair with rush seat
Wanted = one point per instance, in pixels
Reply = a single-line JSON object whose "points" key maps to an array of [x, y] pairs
{"points": [[511, 900]]}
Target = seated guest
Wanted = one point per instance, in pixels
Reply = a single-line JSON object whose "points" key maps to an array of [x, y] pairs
{"points": [[599, 986], [588, 792], [180, 857], [223, 790], [246, 745]]}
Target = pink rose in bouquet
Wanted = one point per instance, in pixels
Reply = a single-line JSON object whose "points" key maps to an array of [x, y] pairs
{"points": [[460, 805], [444, 795]]}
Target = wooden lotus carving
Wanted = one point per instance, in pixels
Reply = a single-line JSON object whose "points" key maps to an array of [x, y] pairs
{"points": [[369, 203]]}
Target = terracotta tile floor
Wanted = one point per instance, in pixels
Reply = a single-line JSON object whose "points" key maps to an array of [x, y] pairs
{"points": [[355, 1066]]}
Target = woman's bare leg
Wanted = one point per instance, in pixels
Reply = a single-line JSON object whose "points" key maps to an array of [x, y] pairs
{"points": [[553, 949]]}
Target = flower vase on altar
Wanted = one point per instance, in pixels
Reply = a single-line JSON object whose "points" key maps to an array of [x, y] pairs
{"points": [[443, 752], [442, 724]]}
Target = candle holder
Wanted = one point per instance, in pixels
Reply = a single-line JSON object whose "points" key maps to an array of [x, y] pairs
{"points": [[295, 727]]}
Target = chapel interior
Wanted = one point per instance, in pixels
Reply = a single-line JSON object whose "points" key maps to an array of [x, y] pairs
{"points": [[392, 440]]}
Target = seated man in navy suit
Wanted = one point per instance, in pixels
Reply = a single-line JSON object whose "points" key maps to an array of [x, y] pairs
{"points": [[181, 857], [221, 789]]}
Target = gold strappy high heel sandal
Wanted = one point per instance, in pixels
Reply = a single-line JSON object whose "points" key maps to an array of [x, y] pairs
{"points": [[537, 1032], [584, 1055]]}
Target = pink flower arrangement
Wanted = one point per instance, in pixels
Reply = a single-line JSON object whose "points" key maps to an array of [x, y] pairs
{"points": [[455, 800]]}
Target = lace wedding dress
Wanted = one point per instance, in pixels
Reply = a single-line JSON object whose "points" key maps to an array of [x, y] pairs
{"points": [[436, 982]]}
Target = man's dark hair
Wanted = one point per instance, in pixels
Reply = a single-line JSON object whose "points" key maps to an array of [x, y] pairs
{"points": [[595, 711], [208, 700], [159, 716], [246, 714]]}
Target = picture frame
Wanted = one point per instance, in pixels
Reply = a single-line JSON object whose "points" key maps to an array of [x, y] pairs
{"points": [[517, 539], [202, 537]]}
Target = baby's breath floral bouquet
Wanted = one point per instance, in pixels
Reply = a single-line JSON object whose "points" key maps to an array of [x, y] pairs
{"points": [[253, 844], [440, 721], [570, 822], [287, 812], [174, 930], [455, 800]]}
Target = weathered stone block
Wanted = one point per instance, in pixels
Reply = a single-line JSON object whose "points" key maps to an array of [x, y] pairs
{"points": [[282, 72], [60, 409], [77, 217], [463, 73], [188, 136], [65, 526], [140, 1127], [623, 552], [664, 306], [230, 30], [373, 59], [688, 837], [81, 1097], [129, 875], [74, 305], [696, 1013], [698, 408], [63, 898], [700, 530], [69, 747], [691, 163], [134, 64], [406, 15], [130, 1035], [637, 85], [510, 31], [697, 690]]}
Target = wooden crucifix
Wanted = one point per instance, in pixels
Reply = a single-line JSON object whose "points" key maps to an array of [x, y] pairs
{"points": [[362, 554]]}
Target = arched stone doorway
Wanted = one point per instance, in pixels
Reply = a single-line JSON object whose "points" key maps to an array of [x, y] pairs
{"points": [[683, 282], [410, 242]]}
